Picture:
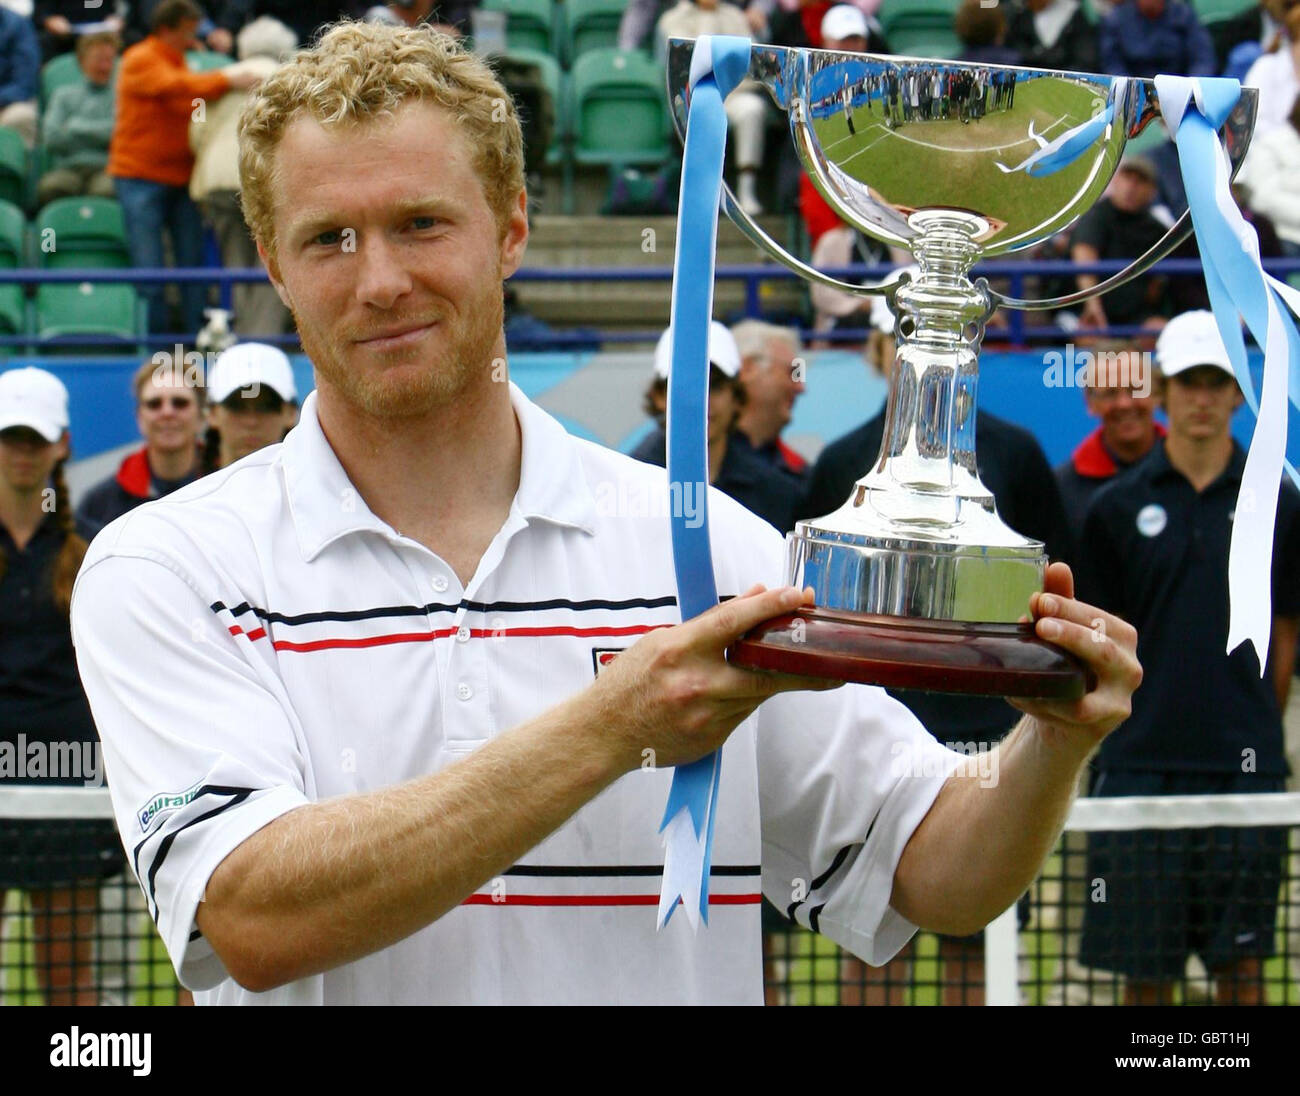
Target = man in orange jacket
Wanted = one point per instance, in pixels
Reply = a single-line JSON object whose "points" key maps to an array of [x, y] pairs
{"points": [[149, 157]]}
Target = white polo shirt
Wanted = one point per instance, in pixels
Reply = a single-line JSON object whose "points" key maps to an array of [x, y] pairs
{"points": [[260, 640]]}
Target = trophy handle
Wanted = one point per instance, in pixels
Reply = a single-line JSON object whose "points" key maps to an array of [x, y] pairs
{"points": [[760, 239]]}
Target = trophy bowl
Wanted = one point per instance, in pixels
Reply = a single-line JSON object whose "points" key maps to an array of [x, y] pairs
{"points": [[918, 583]]}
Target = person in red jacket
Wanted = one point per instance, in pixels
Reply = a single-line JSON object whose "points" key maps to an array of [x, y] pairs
{"points": [[170, 417], [149, 157]]}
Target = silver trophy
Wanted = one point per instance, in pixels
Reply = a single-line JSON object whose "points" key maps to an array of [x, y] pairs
{"points": [[918, 582]]}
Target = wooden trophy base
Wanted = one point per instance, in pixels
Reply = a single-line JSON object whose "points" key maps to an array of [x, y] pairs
{"points": [[940, 656]]}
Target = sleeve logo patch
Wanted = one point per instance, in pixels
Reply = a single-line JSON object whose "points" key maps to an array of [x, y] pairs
{"points": [[163, 803], [603, 657]]}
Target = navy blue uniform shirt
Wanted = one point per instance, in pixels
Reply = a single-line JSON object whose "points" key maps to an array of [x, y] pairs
{"points": [[1155, 552]]}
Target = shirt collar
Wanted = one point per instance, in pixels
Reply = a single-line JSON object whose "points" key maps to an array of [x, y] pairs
{"points": [[553, 484], [1159, 467]]}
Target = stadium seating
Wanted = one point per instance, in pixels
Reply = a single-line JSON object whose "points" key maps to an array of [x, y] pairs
{"points": [[58, 72], [530, 24], [87, 232], [590, 24], [556, 85], [618, 110], [205, 60], [1215, 11], [113, 310], [13, 237], [13, 167], [921, 28]]}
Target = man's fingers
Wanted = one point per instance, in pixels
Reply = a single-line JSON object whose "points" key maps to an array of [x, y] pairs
{"points": [[1051, 608], [723, 625]]}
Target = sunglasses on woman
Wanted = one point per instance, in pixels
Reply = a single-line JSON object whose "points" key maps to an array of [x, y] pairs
{"points": [[178, 403]]}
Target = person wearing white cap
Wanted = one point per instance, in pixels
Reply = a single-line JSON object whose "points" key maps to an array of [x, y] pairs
{"points": [[58, 863], [1154, 550], [746, 108], [733, 468], [252, 403], [169, 415]]}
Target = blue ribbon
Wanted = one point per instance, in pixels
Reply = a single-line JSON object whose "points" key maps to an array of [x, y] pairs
{"points": [[719, 63], [1065, 150], [1195, 109]]}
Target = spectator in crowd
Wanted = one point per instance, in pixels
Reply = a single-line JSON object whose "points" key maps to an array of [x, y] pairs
{"points": [[252, 403], [168, 413], [20, 70], [1119, 393], [57, 862], [773, 373], [1121, 226], [640, 17], [1241, 39], [139, 21], [150, 158], [839, 247], [1052, 34], [1275, 75], [78, 126], [844, 28], [1150, 37], [802, 23], [733, 469], [453, 19], [746, 106], [1270, 179], [306, 17], [982, 30], [1013, 467], [1155, 551], [63, 23], [263, 45]]}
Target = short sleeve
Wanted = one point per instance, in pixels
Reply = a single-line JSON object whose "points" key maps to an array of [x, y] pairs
{"points": [[845, 777], [200, 752]]}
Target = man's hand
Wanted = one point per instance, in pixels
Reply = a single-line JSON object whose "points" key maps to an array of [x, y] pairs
{"points": [[1106, 643], [241, 79], [674, 692], [220, 40], [58, 24]]}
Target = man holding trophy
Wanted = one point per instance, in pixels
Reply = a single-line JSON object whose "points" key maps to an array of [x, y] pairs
{"points": [[427, 674]]}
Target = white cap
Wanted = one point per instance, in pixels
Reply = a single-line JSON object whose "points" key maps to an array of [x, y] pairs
{"points": [[843, 21], [723, 351], [34, 398], [251, 363], [1190, 340]]}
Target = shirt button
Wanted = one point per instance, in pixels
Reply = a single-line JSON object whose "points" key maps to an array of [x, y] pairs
{"points": [[440, 583], [462, 634], [464, 691]]}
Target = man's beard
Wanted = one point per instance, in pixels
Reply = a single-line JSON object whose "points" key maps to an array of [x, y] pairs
{"points": [[416, 381]]}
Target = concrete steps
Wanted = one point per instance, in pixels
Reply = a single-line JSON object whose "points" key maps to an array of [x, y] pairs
{"points": [[565, 243]]}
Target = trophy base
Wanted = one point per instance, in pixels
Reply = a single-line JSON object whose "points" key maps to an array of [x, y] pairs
{"points": [[941, 656]]}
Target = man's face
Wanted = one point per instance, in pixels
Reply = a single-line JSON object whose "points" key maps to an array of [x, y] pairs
{"points": [[774, 382], [1131, 191], [1125, 413], [723, 405], [27, 459], [184, 36], [390, 259], [854, 43], [1200, 401], [249, 424], [168, 416], [1151, 9], [97, 65]]}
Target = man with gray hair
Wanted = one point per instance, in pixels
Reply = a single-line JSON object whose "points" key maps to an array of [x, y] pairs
{"points": [[772, 370]]}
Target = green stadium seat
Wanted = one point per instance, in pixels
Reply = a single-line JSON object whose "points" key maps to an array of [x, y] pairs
{"points": [[86, 232], [554, 81], [590, 24], [529, 23], [1216, 11], [205, 60], [618, 108], [86, 308], [926, 43], [58, 72], [921, 28], [12, 312], [13, 237], [13, 167]]}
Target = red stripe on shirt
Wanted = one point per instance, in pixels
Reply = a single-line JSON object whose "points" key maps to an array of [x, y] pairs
{"points": [[443, 633], [599, 900]]}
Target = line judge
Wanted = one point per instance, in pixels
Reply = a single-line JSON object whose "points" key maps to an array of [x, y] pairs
{"points": [[364, 733]]}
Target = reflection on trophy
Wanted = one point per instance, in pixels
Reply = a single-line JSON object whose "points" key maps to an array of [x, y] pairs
{"points": [[918, 582]]}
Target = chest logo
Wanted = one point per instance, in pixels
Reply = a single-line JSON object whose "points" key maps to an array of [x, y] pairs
{"points": [[1151, 520], [603, 657]]}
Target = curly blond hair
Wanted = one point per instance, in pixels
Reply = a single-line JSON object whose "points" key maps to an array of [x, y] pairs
{"points": [[357, 72]]}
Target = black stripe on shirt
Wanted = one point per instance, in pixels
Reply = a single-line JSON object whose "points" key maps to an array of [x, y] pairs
{"points": [[590, 605]]}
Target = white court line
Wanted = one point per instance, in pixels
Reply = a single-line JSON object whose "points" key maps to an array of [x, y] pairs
{"points": [[939, 148]]}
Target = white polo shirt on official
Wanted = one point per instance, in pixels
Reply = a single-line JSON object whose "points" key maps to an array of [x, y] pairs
{"points": [[260, 640]]}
